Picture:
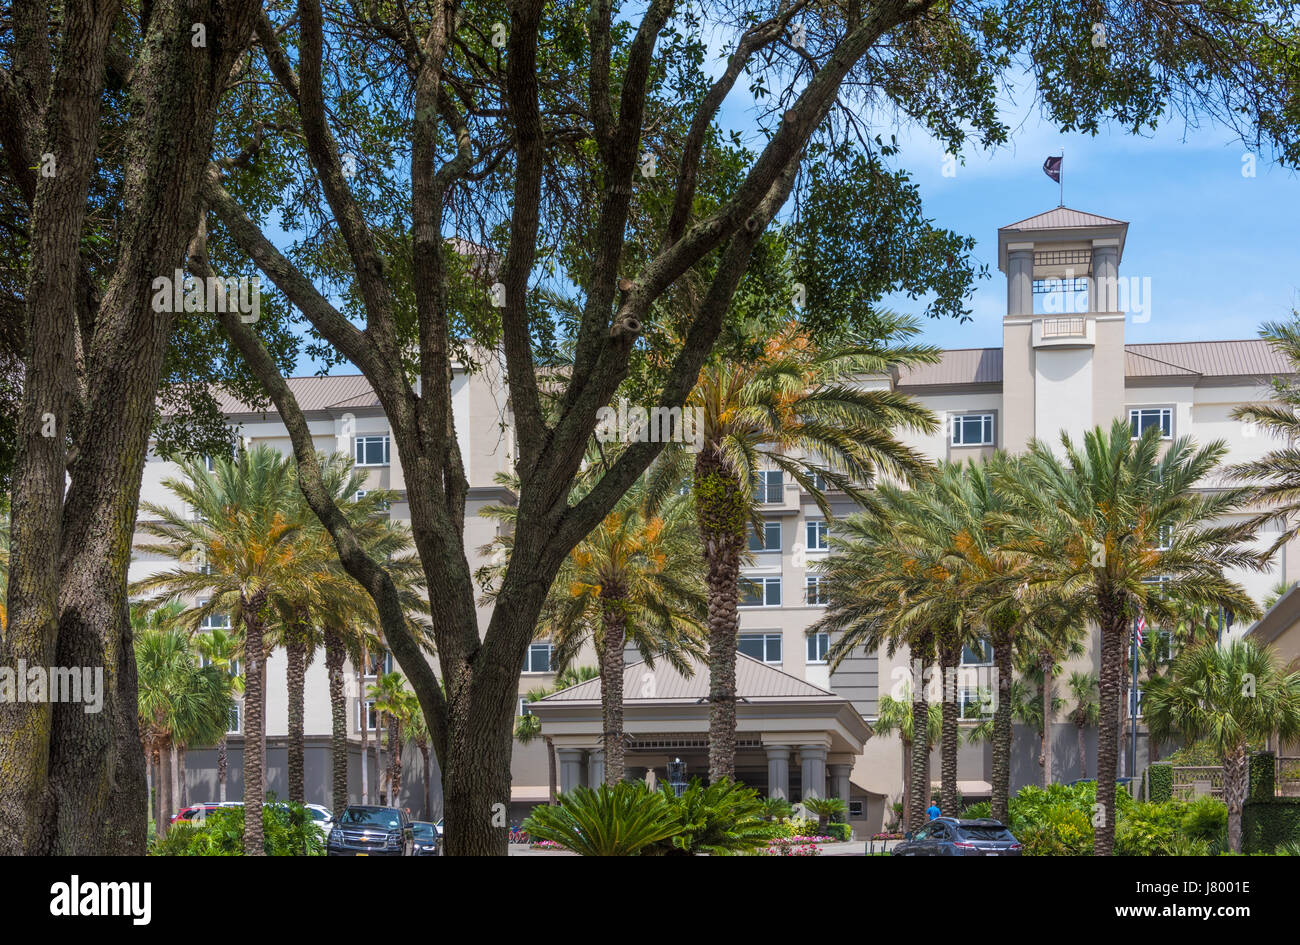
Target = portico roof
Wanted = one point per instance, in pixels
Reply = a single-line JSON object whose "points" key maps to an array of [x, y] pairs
{"points": [[772, 708]]}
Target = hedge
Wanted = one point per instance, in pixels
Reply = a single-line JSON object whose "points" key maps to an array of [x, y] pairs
{"points": [[1267, 823], [1160, 782], [841, 832], [1262, 769]]}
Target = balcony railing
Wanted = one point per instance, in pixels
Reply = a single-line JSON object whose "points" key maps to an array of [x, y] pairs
{"points": [[1070, 327]]}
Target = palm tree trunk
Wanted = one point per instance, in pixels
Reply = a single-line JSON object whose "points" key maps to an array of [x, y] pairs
{"points": [[394, 760], [296, 651], [720, 508], [1002, 734], [611, 684], [365, 732], [334, 656], [907, 777], [222, 768], [185, 788], [920, 750], [254, 727], [1083, 753], [428, 787], [550, 769], [173, 760], [1236, 769], [949, 740], [149, 785], [381, 774], [1113, 638], [1047, 722], [160, 801]]}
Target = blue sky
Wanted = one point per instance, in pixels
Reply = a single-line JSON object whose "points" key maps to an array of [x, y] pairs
{"points": [[1222, 250]]}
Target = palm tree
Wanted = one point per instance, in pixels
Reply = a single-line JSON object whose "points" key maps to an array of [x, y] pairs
{"points": [[1277, 473], [1048, 636], [179, 701], [795, 411], [636, 579], [219, 648], [392, 702], [895, 715], [1231, 694], [1116, 526], [417, 733], [244, 533], [1083, 688], [529, 726]]}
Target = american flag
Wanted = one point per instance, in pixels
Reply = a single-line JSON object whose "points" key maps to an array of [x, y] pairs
{"points": [[1141, 627]]}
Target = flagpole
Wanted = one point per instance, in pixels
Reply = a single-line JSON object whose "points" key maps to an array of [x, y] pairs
{"points": [[1061, 177], [1133, 712]]}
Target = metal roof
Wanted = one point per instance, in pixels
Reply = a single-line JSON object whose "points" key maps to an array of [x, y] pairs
{"points": [[755, 682], [1063, 218], [313, 393], [1185, 359]]}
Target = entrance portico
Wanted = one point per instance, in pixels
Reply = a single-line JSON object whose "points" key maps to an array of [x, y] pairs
{"points": [[793, 739]]}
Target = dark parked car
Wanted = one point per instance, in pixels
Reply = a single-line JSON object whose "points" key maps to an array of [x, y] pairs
{"points": [[371, 831], [427, 840], [947, 836]]}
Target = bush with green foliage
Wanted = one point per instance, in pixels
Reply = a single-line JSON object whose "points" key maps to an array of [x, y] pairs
{"points": [[1262, 783], [1269, 823], [1205, 818], [631, 820], [1158, 781], [1150, 829], [289, 831], [840, 831]]}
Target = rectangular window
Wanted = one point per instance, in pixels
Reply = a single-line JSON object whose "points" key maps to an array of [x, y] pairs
{"points": [[214, 621], [974, 703], [769, 487], [760, 592], [538, 659], [819, 644], [855, 808], [817, 533], [814, 591], [972, 429], [1142, 419], [770, 540], [372, 717], [372, 450], [761, 646], [234, 721], [977, 654]]}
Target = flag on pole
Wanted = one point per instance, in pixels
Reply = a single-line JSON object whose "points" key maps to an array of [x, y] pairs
{"points": [[1141, 627], [1052, 167]]}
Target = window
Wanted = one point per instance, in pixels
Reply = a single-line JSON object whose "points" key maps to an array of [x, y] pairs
{"points": [[820, 482], [972, 429], [817, 533], [372, 717], [760, 592], [769, 486], [770, 539], [214, 621], [814, 592], [380, 664], [977, 654], [233, 720], [523, 706], [819, 645], [1142, 419], [761, 646], [372, 450], [974, 702], [855, 808], [538, 659]]}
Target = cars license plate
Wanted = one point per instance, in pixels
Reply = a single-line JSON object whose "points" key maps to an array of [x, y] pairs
{"points": [[363, 854]]}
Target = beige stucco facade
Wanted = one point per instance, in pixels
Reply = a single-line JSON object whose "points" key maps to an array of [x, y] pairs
{"points": [[1064, 365]]}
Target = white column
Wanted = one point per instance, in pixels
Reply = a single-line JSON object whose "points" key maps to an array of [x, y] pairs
{"points": [[813, 761], [778, 771], [1020, 279], [596, 768], [1104, 296], [571, 765]]}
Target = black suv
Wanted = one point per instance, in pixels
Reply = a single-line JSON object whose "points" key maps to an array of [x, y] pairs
{"points": [[947, 836], [371, 831]]}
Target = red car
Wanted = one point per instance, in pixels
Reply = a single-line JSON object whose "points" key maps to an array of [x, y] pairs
{"points": [[195, 812]]}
